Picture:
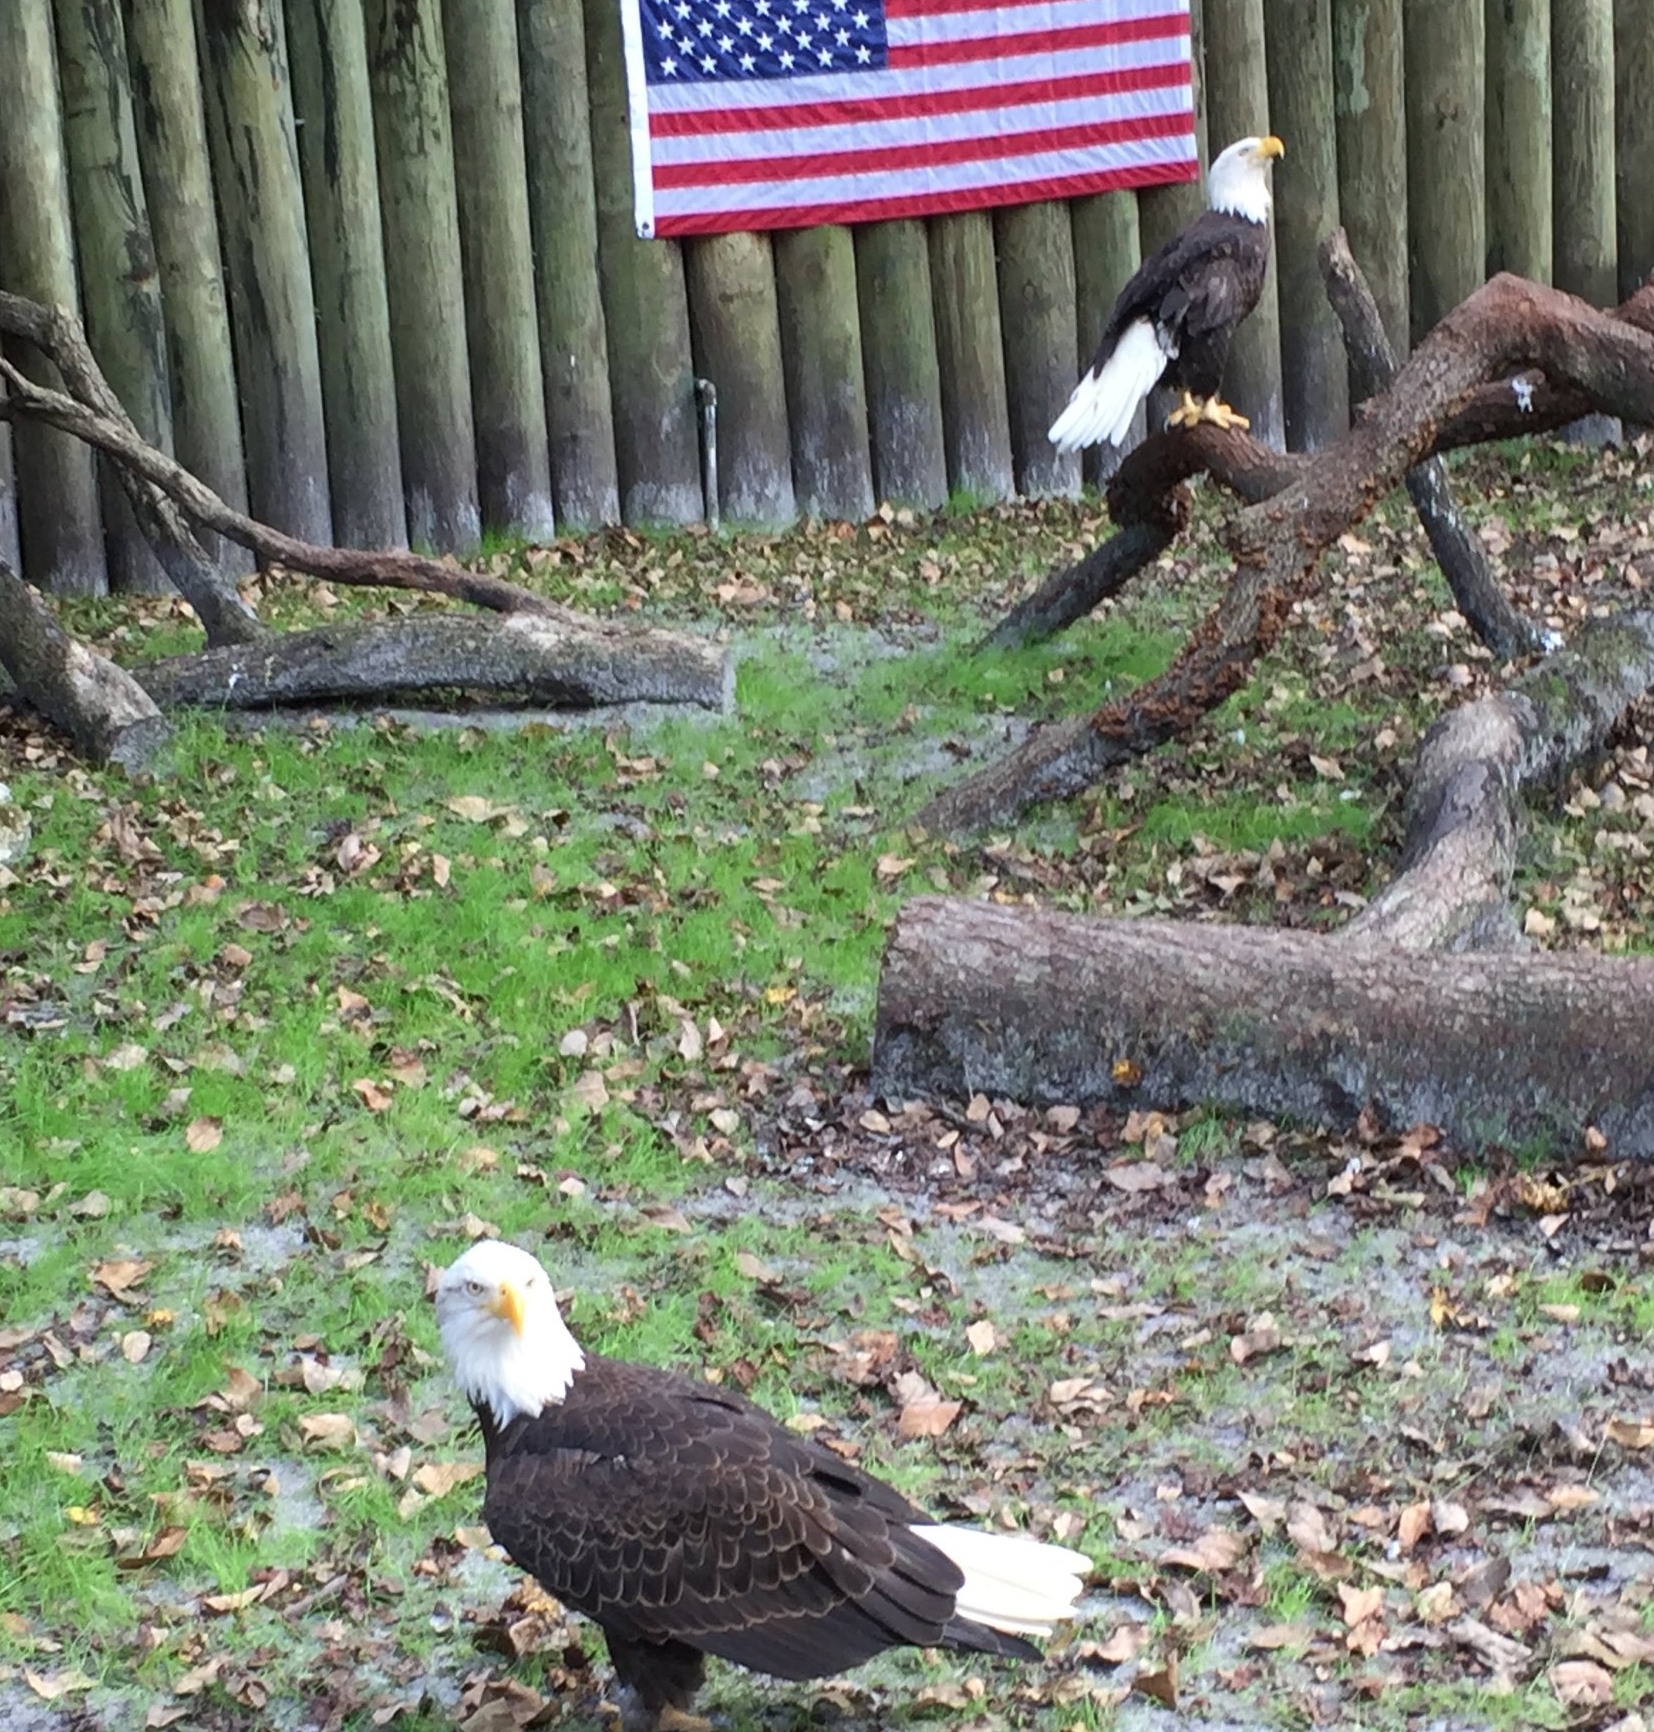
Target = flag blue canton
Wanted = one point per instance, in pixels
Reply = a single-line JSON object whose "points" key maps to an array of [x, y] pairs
{"points": [[694, 41]]}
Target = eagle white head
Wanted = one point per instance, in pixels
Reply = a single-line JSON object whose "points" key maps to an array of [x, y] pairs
{"points": [[1238, 180], [506, 1341]]}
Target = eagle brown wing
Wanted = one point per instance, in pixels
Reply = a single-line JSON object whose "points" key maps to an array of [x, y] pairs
{"points": [[668, 1510]]}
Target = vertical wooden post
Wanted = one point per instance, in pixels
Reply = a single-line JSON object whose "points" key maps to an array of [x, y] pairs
{"points": [[172, 148], [1446, 206], [1106, 252], [508, 399], [976, 429], [261, 223], [1315, 387], [424, 279], [1237, 106], [10, 549], [557, 137], [1518, 131], [821, 353], [119, 282], [904, 382], [1372, 151], [736, 332], [1582, 99], [328, 46], [651, 378], [59, 523], [1634, 139], [1037, 298]]}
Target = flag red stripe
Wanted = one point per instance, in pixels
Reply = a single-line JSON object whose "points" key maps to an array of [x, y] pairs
{"points": [[1169, 23], [860, 109], [1059, 41], [932, 154]]}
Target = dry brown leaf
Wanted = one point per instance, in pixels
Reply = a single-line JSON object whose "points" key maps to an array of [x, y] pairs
{"points": [[929, 1416], [1272, 1636], [589, 1090], [1159, 1686], [438, 1478], [51, 1686], [1137, 1177], [119, 1275], [1126, 1643], [1582, 1683], [203, 1135], [1215, 1550], [328, 1430], [1413, 1526], [982, 1336], [1359, 1604], [1267, 1512], [135, 1344], [372, 1096], [1307, 1527], [1260, 1336], [1631, 1433], [198, 1678]]}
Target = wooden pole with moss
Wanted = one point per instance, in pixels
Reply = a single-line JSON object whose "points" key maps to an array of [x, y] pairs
{"points": [[970, 351], [59, 523], [1582, 183], [1035, 247], [1106, 252], [1315, 391], [266, 261], [328, 46], [1237, 106], [557, 139], [119, 281], [508, 400], [1446, 202], [651, 375], [736, 332], [821, 354], [10, 548], [1518, 138], [1371, 112], [1634, 140], [183, 218], [904, 381]]}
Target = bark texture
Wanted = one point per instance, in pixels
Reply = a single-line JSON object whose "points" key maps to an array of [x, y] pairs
{"points": [[904, 377], [1035, 244], [970, 352]]}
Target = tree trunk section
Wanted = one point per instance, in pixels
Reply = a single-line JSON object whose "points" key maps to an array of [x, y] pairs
{"points": [[1446, 202], [1314, 374], [1035, 244], [1582, 96], [1237, 106], [332, 98], [735, 330], [1518, 133], [426, 282], [557, 137], [1106, 253], [1634, 140], [508, 401], [10, 551], [60, 525], [119, 281], [266, 259], [821, 354], [183, 218], [970, 353], [1371, 110], [1054, 1009], [904, 380]]}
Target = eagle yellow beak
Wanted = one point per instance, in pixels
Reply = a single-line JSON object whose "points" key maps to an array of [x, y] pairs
{"points": [[1271, 146], [508, 1304]]}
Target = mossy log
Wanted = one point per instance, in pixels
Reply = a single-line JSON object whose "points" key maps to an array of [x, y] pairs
{"points": [[970, 353], [1582, 99], [1035, 247], [1371, 113], [1519, 208], [904, 381]]}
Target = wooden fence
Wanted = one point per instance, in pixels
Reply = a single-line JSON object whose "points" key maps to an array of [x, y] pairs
{"points": [[380, 289]]}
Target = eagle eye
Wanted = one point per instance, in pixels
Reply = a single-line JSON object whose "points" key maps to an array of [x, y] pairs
{"points": [[474, 1288]]}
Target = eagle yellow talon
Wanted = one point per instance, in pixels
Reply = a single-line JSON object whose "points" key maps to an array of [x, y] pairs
{"points": [[1215, 410], [1188, 413]]}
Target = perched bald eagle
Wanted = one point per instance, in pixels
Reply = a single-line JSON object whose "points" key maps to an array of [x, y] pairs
{"points": [[1175, 318], [685, 1521]]}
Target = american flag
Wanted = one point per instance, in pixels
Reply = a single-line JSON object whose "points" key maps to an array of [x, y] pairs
{"points": [[762, 114]]}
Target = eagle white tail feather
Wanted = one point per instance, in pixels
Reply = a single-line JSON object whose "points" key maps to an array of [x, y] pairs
{"points": [[1104, 402], [1017, 1585]]}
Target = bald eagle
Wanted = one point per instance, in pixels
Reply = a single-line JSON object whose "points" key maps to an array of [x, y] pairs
{"points": [[1175, 318], [685, 1521]]}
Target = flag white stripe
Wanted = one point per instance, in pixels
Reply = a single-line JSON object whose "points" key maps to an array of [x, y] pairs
{"points": [[912, 32], [637, 116]]}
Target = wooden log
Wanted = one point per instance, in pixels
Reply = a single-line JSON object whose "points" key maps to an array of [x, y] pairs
{"points": [[904, 380], [426, 282], [1314, 373], [266, 260], [1048, 1009], [507, 384], [821, 352], [120, 283], [1518, 133], [1634, 139], [1446, 202], [1237, 106], [735, 329], [1035, 246], [1371, 110], [177, 173], [1106, 252], [970, 352], [1582, 99], [59, 522], [557, 137], [334, 105], [651, 376]]}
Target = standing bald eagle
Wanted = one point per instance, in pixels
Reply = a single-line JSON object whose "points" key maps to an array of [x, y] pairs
{"points": [[685, 1521], [1177, 314]]}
